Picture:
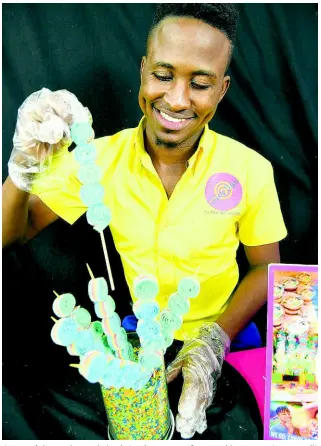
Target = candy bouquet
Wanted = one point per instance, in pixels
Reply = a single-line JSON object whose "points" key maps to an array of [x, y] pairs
{"points": [[130, 371]]}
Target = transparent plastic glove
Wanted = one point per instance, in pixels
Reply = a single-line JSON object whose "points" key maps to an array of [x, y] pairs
{"points": [[43, 131], [200, 361]]}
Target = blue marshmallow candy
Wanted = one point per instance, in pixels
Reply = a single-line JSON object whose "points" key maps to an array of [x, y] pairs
{"points": [[147, 309], [98, 289], [89, 173], [154, 343], [146, 287], [85, 153], [91, 194], [178, 304], [85, 341], [150, 360], [96, 369], [81, 132], [170, 321], [147, 329], [105, 308], [64, 331], [189, 287], [99, 216]]}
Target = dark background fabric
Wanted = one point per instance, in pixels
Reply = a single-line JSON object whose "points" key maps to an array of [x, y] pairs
{"points": [[94, 51]]}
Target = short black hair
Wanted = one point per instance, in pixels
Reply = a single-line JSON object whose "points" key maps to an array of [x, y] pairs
{"points": [[282, 409], [223, 16]]}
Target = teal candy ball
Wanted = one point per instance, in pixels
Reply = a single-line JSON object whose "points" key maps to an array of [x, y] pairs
{"points": [[81, 132], [96, 369], [150, 360], [82, 317], [170, 321], [85, 153], [111, 324], [64, 332], [189, 287], [98, 216], [178, 304], [98, 289], [63, 305], [155, 343], [105, 308], [147, 309], [146, 288], [91, 194], [147, 329], [89, 173], [85, 342]]}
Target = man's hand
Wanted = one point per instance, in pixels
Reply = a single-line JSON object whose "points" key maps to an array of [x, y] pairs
{"points": [[200, 361], [42, 131]]}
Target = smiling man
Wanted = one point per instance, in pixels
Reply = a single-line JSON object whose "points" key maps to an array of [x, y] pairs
{"points": [[182, 197]]}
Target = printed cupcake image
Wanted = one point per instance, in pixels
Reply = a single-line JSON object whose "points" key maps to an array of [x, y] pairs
{"points": [[278, 292], [295, 344]]}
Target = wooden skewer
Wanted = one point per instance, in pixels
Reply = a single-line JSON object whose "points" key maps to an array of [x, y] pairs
{"points": [[107, 261], [55, 320], [56, 294], [90, 271], [76, 366]]}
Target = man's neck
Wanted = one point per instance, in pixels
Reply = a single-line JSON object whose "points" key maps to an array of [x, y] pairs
{"points": [[170, 156]]}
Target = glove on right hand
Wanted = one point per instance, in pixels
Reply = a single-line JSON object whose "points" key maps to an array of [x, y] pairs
{"points": [[43, 131]]}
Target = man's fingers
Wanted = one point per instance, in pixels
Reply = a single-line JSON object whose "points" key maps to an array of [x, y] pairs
{"points": [[51, 131], [192, 397], [173, 370]]}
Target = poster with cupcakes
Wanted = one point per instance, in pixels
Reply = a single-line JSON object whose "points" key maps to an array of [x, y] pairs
{"points": [[291, 401]]}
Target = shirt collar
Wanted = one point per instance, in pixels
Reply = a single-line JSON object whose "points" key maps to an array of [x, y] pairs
{"points": [[206, 143]]}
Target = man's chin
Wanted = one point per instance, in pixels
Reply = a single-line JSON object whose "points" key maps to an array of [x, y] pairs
{"points": [[165, 143]]}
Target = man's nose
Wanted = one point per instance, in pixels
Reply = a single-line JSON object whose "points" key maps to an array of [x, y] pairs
{"points": [[177, 97]]}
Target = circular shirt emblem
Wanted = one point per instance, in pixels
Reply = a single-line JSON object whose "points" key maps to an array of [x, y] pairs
{"points": [[223, 191]]}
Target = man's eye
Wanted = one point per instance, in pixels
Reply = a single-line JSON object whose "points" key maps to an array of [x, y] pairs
{"points": [[162, 78], [199, 86]]}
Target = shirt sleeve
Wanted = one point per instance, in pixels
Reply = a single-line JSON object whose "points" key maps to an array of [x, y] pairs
{"points": [[59, 188], [262, 223]]}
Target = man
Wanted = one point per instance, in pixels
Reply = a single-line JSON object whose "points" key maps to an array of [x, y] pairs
{"points": [[285, 426], [182, 197]]}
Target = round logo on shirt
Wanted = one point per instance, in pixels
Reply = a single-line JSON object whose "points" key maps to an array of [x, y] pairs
{"points": [[223, 191]]}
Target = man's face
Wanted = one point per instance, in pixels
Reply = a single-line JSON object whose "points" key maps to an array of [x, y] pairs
{"points": [[285, 416], [182, 79]]}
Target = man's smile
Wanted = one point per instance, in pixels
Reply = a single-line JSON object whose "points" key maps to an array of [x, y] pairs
{"points": [[170, 122]]}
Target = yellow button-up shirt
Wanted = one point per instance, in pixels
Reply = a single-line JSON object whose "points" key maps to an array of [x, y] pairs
{"points": [[227, 195]]}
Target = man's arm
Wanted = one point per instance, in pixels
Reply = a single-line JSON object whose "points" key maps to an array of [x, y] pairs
{"points": [[251, 293], [23, 215]]}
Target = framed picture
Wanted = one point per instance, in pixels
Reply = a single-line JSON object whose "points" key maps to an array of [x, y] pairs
{"points": [[291, 401]]}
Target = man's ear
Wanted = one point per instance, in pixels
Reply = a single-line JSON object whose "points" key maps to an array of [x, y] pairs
{"points": [[142, 65], [225, 85]]}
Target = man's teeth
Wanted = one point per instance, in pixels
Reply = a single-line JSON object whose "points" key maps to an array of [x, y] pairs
{"points": [[169, 118]]}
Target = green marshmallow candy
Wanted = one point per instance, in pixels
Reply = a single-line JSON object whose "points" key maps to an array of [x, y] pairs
{"points": [[81, 132], [189, 287], [64, 305]]}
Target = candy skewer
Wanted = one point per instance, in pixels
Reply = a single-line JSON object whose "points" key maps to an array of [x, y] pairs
{"points": [[76, 366], [90, 271], [56, 294], [55, 320], [107, 261]]}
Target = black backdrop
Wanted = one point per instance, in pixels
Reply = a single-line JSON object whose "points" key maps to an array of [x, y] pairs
{"points": [[94, 50]]}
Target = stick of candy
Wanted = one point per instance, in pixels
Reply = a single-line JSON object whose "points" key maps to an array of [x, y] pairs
{"points": [[110, 276], [90, 271]]}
